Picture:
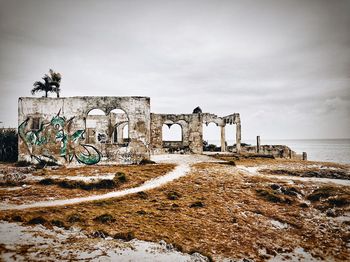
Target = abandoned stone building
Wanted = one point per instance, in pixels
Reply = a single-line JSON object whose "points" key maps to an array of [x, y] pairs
{"points": [[65, 130]]}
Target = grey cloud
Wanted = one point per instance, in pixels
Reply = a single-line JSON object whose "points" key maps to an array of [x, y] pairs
{"points": [[275, 62]]}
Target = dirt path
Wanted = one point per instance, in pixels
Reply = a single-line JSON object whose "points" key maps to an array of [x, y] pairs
{"points": [[183, 162]]}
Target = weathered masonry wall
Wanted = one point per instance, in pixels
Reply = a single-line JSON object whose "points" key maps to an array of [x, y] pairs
{"points": [[192, 131], [233, 119], [277, 151], [192, 137], [56, 129], [69, 131]]}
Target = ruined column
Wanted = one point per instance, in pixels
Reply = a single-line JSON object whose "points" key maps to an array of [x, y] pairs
{"points": [[304, 156], [238, 136], [120, 138], [223, 139], [258, 144]]}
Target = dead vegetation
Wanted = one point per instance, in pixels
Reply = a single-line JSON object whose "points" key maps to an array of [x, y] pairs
{"points": [[265, 160], [310, 172], [218, 212], [48, 188], [118, 179]]}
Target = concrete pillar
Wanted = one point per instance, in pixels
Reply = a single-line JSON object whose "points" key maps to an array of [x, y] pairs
{"points": [[304, 156], [258, 144], [223, 139], [238, 137]]}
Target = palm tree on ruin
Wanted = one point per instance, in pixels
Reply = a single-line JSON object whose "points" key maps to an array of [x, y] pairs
{"points": [[51, 83]]}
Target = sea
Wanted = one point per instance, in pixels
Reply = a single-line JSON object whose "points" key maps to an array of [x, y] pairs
{"points": [[327, 150]]}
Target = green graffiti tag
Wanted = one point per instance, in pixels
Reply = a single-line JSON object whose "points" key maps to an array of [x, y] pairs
{"points": [[55, 136]]}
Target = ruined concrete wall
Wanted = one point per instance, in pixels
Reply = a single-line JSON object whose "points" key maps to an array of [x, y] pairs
{"points": [[103, 129], [233, 119], [54, 129], [192, 133], [278, 151]]}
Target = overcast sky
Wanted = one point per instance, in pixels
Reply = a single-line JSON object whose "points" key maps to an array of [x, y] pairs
{"points": [[283, 65]]}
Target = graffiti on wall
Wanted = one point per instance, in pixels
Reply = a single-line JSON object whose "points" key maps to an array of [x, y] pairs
{"points": [[56, 138]]}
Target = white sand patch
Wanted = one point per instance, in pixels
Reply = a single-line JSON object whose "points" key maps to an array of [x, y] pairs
{"points": [[278, 224], [38, 243], [297, 255]]}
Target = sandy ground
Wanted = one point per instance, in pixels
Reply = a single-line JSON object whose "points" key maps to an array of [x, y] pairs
{"points": [[206, 206], [19, 243]]}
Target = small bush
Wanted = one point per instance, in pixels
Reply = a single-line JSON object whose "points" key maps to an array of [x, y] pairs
{"points": [[197, 204], [100, 234], [126, 236], [120, 177], [17, 218], [74, 218], [36, 221], [269, 196], [11, 183], [272, 196], [141, 212], [102, 184], [146, 162], [231, 163], [211, 148], [292, 191], [289, 191], [304, 205], [172, 195], [57, 223], [47, 182], [105, 219], [275, 186], [142, 195], [339, 201], [321, 193], [70, 184]]}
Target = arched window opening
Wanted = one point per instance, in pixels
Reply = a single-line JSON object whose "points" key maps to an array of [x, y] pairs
{"points": [[230, 131], [96, 126], [120, 120], [172, 132], [93, 116], [126, 132], [211, 137], [96, 112]]}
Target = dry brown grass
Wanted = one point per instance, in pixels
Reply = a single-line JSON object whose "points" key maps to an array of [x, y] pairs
{"points": [[257, 161], [136, 175], [233, 219]]}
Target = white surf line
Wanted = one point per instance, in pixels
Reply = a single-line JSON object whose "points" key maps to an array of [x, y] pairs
{"points": [[180, 170], [254, 172]]}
